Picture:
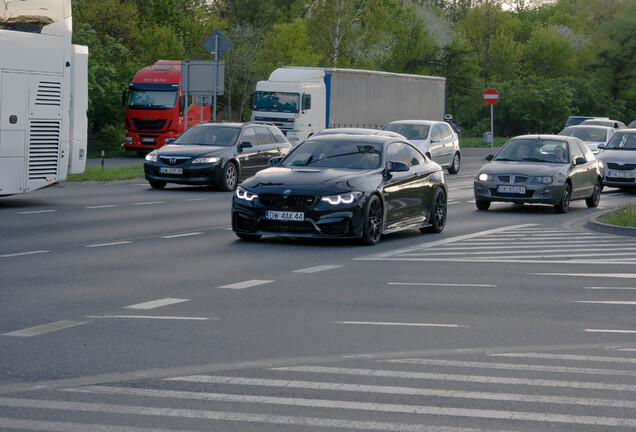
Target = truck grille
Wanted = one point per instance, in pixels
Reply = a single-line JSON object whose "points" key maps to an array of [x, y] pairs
{"points": [[148, 125], [44, 149]]}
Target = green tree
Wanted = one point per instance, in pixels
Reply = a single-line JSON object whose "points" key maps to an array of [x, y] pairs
{"points": [[548, 54]]}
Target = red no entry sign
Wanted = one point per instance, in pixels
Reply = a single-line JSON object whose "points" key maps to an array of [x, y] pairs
{"points": [[491, 96]]}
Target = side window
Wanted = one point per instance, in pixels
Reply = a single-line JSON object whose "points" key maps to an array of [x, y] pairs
{"points": [[264, 136], [397, 152], [446, 131], [249, 135], [436, 133], [415, 156], [587, 153], [278, 135], [576, 151]]}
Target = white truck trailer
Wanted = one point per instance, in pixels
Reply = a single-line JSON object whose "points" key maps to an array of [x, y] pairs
{"points": [[302, 101]]}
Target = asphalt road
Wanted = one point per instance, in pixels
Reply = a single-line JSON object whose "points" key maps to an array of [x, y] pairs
{"points": [[125, 308]]}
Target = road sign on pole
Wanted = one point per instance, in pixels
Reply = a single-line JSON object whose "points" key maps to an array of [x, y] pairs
{"points": [[491, 96]]}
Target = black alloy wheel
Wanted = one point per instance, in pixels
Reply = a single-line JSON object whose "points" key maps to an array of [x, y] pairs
{"points": [[439, 213], [592, 201], [229, 177], [564, 205], [373, 221]]}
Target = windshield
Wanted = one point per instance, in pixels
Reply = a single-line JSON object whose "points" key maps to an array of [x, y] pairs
{"points": [[586, 134], [223, 136], [533, 150], [334, 154], [277, 102], [622, 141], [410, 131], [152, 99]]}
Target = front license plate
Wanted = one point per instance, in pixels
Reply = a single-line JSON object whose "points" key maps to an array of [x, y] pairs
{"points": [[620, 174], [511, 189], [164, 170], [147, 140], [285, 215]]}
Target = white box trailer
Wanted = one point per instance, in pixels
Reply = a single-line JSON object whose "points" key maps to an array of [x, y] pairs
{"points": [[302, 101]]}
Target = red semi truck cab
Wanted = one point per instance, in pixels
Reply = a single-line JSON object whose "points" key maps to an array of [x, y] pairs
{"points": [[155, 107]]}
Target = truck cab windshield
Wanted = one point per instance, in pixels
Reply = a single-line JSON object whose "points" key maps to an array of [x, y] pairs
{"points": [[276, 102], [152, 99]]}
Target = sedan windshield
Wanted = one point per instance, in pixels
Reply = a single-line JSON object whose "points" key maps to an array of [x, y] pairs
{"points": [[622, 141], [334, 154], [410, 131], [533, 150], [223, 136]]}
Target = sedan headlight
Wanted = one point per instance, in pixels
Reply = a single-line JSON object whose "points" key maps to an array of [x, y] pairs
{"points": [[209, 160], [345, 198], [485, 177], [245, 195], [151, 157], [543, 179]]}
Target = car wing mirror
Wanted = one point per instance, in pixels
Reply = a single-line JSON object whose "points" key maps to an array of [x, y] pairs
{"points": [[580, 161], [601, 146], [395, 166], [274, 161], [490, 157], [245, 144]]}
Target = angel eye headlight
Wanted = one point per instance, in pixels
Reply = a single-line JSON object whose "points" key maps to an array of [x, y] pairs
{"points": [[245, 195], [345, 198]]}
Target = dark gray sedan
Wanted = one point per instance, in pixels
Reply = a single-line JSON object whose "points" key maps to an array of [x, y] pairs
{"points": [[619, 160], [542, 169]]}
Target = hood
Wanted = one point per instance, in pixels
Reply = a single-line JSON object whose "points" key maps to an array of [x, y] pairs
{"points": [[190, 150], [628, 156], [310, 180], [524, 168]]}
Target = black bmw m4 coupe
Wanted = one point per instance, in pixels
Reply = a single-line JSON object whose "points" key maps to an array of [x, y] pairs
{"points": [[343, 186]]}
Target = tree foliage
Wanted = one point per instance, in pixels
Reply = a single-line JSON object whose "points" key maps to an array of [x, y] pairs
{"points": [[548, 59]]}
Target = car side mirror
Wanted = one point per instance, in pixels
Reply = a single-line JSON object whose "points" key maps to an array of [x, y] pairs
{"points": [[395, 166], [580, 161], [245, 144], [601, 146], [490, 157], [274, 161]]}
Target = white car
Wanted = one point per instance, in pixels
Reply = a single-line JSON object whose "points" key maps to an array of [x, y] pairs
{"points": [[591, 135], [605, 122], [436, 139]]}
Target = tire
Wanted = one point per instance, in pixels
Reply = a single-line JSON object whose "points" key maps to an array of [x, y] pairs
{"points": [[592, 201], [482, 204], [564, 205], [157, 184], [373, 221], [229, 177], [454, 168], [249, 237], [439, 213]]}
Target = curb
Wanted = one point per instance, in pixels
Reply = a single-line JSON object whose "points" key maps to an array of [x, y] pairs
{"points": [[594, 225]]}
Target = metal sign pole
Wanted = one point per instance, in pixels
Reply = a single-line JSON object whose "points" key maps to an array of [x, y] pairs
{"points": [[492, 127], [216, 74]]}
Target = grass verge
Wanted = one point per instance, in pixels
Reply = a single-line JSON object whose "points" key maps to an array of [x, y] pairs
{"points": [[625, 216], [107, 174]]}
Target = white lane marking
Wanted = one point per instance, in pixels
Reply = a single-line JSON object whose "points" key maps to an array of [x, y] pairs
{"points": [[108, 244], [181, 235], [362, 406], [502, 259], [598, 275], [54, 426], [304, 422], [442, 284], [157, 303], [442, 242], [508, 366], [246, 284], [149, 203], [46, 328], [573, 357], [610, 331], [153, 317], [610, 288], [317, 269], [197, 199], [609, 302], [397, 324], [37, 212], [24, 253], [413, 391], [458, 378], [102, 206]]}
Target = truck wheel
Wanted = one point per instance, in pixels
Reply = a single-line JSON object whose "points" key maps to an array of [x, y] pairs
{"points": [[454, 168], [157, 184], [229, 177]]}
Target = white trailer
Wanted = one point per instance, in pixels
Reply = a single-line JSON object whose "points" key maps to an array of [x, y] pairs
{"points": [[43, 96], [302, 101]]}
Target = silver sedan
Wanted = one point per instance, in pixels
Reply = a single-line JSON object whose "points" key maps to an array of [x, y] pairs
{"points": [[619, 160], [542, 169]]}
